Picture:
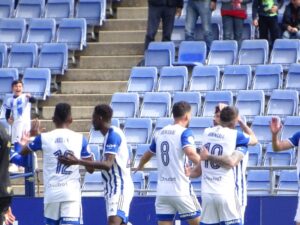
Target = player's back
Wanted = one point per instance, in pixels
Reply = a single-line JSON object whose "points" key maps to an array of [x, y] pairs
{"points": [[218, 141], [171, 161]]}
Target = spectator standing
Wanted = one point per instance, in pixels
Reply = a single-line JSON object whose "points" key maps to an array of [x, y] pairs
{"points": [[291, 20], [264, 15], [202, 8], [164, 10], [233, 13]]}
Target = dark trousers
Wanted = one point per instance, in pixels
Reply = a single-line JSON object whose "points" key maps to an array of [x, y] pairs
{"points": [[269, 24], [4, 205], [155, 13]]}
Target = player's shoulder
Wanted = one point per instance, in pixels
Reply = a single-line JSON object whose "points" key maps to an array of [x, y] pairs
{"points": [[115, 133]]}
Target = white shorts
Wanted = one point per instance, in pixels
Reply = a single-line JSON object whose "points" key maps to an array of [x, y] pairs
{"points": [[220, 209], [297, 217], [118, 205], [63, 213], [18, 128], [187, 207]]}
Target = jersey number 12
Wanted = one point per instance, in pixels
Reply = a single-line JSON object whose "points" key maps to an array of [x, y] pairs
{"points": [[61, 168]]}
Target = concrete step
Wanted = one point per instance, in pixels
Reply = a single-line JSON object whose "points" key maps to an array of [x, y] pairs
{"points": [[93, 87], [133, 3], [78, 112], [132, 13], [95, 75], [125, 36], [113, 49], [124, 24], [109, 62], [83, 125], [77, 99]]}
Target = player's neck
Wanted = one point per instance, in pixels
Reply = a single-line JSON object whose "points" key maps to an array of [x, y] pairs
{"points": [[104, 130], [180, 123]]}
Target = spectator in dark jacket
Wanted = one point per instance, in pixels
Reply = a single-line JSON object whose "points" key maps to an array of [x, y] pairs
{"points": [[291, 20], [165, 10], [264, 15]]}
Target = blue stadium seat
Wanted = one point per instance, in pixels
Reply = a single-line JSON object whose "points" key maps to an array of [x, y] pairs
{"points": [[157, 58], [293, 77], [267, 78], [251, 103], [12, 30], [142, 79], [29, 9], [140, 150], [7, 8], [59, 9], [93, 184], [41, 31], [285, 52], [291, 126], [223, 53], [260, 127], [288, 183], [92, 10], [162, 122], [73, 33], [255, 155], [235, 78], [196, 184], [178, 33], [37, 82], [192, 53], [7, 76], [283, 103], [173, 79], [22, 56], [205, 78], [156, 104], [55, 57], [194, 98], [3, 55], [138, 179], [258, 182], [272, 158], [254, 52], [152, 183], [138, 130], [115, 122], [125, 105], [166, 45], [248, 29], [213, 98], [198, 124]]}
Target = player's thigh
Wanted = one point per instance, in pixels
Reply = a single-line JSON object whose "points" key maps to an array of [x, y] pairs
{"points": [[229, 209], [209, 213], [70, 213], [164, 208], [188, 208], [52, 213]]}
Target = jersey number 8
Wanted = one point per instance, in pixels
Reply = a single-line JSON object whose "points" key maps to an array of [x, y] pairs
{"points": [[165, 158]]}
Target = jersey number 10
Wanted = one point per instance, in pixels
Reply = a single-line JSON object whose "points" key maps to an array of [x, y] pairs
{"points": [[215, 149]]}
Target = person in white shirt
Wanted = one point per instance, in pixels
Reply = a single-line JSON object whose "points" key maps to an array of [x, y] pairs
{"points": [[174, 146], [224, 148], [62, 190], [115, 166], [282, 145]]}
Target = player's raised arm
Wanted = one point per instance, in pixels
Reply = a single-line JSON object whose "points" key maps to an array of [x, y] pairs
{"points": [[246, 129], [278, 145]]}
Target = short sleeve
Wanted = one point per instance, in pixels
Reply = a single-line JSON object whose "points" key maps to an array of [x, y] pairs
{"points": [[153, 146], [85, 151], [242, 149], [242, 139], [187, 139], [295, 139], [113, 142], [36, 144]]}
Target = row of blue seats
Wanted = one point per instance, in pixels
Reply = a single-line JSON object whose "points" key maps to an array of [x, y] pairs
{"points": [[222, 53], [208, 78], [92, 10], [40, 31], [51, 55], [250, 103]]}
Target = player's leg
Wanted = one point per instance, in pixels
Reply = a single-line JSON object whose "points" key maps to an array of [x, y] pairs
{"points": [[229, 209], [70, 213], [210, 214], [189, 208], [51, 213], [165, 211]]}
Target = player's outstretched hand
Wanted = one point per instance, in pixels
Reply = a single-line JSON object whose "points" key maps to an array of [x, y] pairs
{"points": [[9, 217], [275, 125], [25, 138], [36, 128], [204, 153], [68, 160]]}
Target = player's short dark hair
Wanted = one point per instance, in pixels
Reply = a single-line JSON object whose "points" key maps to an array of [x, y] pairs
{"points": [[62, 112], [15, 82], [105, 111], [229, 114], [180, 109]]}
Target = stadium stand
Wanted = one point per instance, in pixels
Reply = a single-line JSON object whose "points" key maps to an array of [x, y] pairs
{"points": [[7, 76], [260, 127], [41, 31], [7, 8], [292, 78], [213, 98], [3, 55], [12, 30], [125, 105], [255, 155], [59, 9], [29, 9], [194, 98], [291, 126], [197, 125], [258, 182], [192, 53], [288, 182], [278, 158]]}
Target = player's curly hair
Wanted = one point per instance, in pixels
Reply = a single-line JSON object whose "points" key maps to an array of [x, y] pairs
{"points": [[105, 111], [180, 109], [62, 113]]}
